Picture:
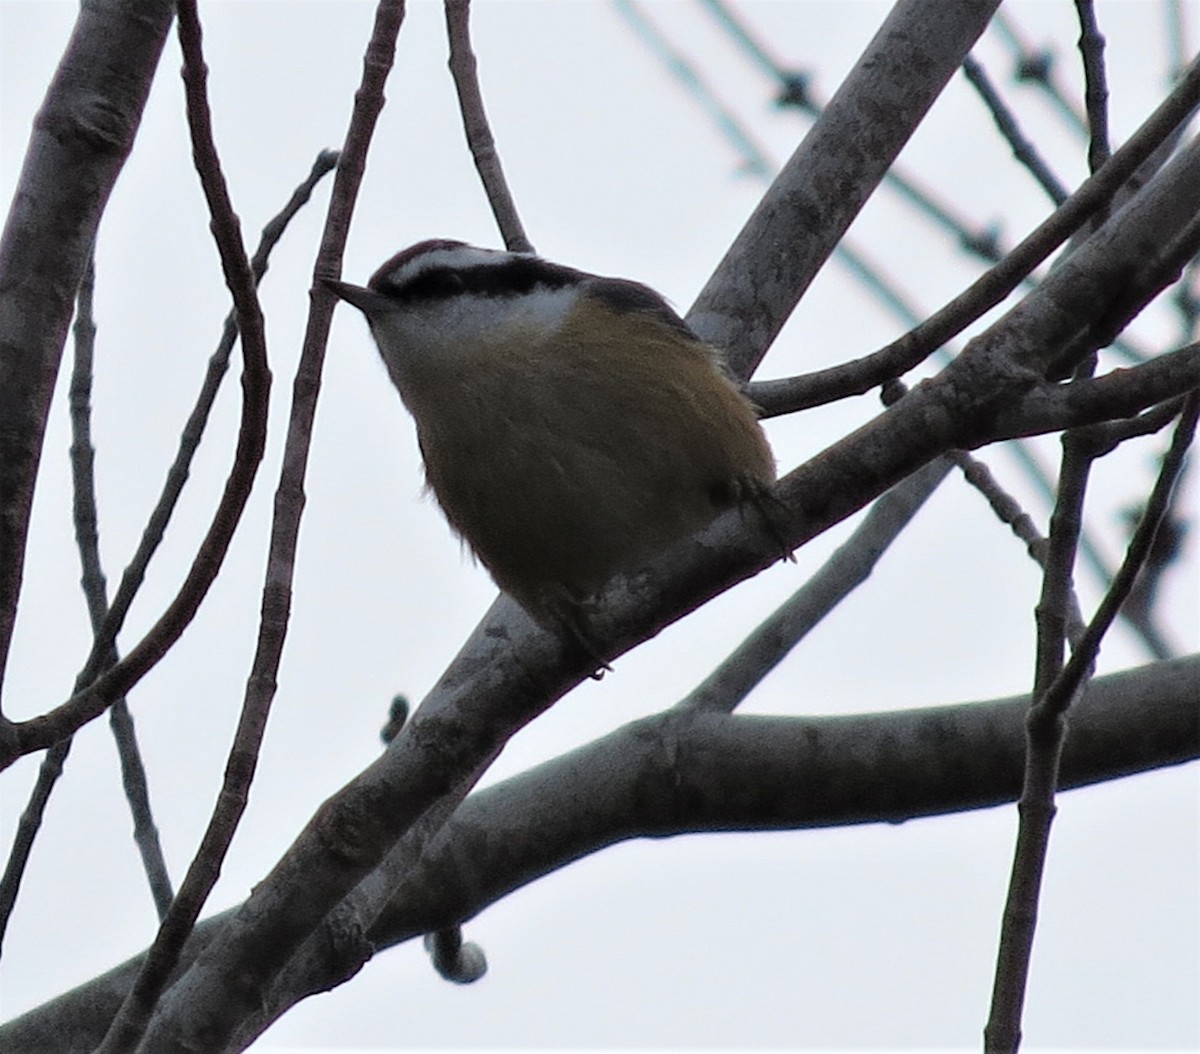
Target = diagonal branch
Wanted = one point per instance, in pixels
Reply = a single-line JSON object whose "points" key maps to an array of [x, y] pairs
{"points": [[206, 866], [850, 565], [134, 575], [133, 771], [479, 134], [1058, 688], [797, 224], [861, 375], [183, 1011], [1023, 150], [83, 134]]}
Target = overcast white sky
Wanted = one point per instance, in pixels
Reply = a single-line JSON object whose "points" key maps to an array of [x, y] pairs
{"points": [[879, 936]]}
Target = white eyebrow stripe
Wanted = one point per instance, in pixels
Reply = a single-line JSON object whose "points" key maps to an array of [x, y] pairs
{"points": [[456, 258]]}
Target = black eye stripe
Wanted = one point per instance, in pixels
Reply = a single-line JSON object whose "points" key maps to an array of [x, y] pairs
{"points": [[511, 277], [516, 276]]}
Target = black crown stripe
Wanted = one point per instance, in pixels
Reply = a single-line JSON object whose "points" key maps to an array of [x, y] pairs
{"points": [[510, 277]]}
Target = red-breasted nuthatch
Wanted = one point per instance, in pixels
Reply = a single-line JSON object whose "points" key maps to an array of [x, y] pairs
{"points": [[571, 424]]}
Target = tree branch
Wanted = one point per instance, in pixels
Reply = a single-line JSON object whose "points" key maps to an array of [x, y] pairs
{"points": [[202, 1008], [850, 565], [675, 773], [81, 138], [796, 226], [1121, 393], [475, 125], [777, 397], [1023, 150], [1057, 688]]}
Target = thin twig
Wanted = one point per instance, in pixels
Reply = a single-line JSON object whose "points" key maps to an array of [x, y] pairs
{"points": [[134, 575], [1037, 67], [793, 84], [1043, 753], [861, 375], [88, 703], [1091, 48], [1066, 526], [137, 794], [133, 772], [202, 874], [1107, 436], [83, 453], [289, 506], [754, 158], [1045, 735], [1058, 602], [1023, 150], [479, 134], [27, 828], [1008, 510]]}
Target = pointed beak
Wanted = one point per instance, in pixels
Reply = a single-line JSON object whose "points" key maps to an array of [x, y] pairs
{"points": [[367, 301]]}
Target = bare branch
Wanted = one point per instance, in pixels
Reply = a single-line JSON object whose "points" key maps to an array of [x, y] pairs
{"points": [[1114, 396], [797, 224], [475, 124], [80, 141], [850, 565], [202, 1001], [133, 772], [724, 120], [1036, 807], [1036, 66], [1058, 688], [677, 772], [861, 375], [1091, 48], [1023, 150], [28, 826]]}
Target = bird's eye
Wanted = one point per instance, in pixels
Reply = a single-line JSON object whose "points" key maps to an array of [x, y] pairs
{"points": [[434, 285]]}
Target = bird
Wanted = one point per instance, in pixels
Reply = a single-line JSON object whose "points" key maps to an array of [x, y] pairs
{"points": [[572, 425]]}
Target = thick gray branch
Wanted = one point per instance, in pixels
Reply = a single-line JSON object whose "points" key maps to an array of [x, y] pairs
{"points": [[832, 173], [688, 771]]}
